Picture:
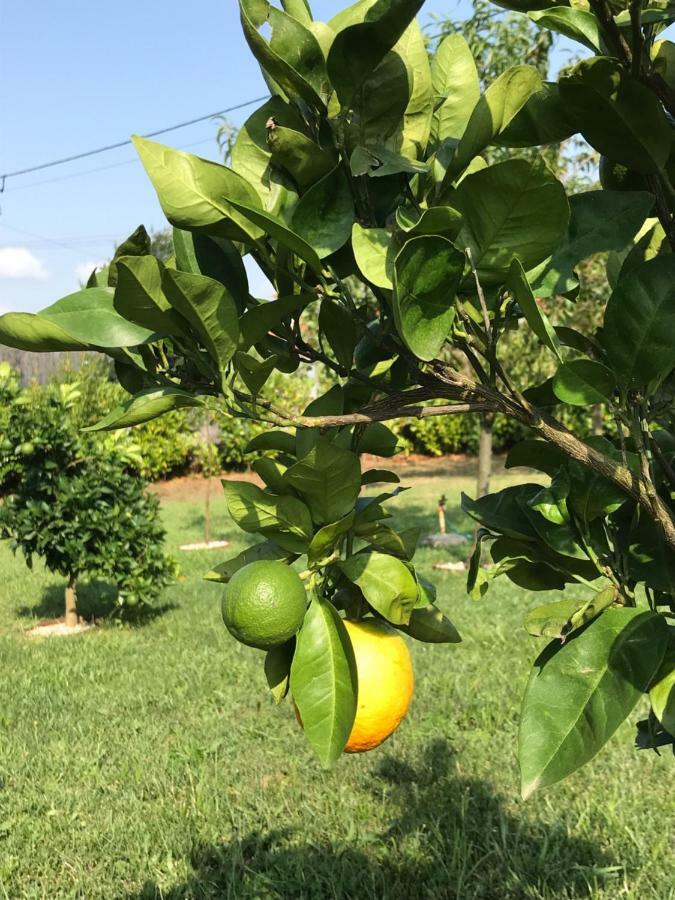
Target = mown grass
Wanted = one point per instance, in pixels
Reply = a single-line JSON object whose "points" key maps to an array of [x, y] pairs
{"points": [[149, 762]]}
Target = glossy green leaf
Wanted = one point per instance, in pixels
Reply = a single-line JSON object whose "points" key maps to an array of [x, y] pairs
{"points": [[579, 693], [339, 330], [329, 479], [286, 520], [429, 625], [379, 440], [578, 24], [278, 669], [544, 119], [427, 274], [386, 583], [620, 117], [254, 372], [197, 193], [90, 317], [257, 321], [639, 329], [503, 512], [559, 619], [536, 318], [325, 214], [209, 308], [139, 297], [438, 220], [272, 473], [379, 476], [535, 454], [147, 405], [375, 252], [292, 56], [217, 258], [662, 692], [412, 47], [272, 440], [304, 160], [456, 84], [327, 539], [503, 99], [137, 244], [599, 221], [583, 382], [359, 48], [265, 550], [515, 209], [29, 331], [324, 681]]}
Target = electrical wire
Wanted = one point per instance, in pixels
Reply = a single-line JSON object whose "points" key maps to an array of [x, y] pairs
{"points": [[116, 146]]}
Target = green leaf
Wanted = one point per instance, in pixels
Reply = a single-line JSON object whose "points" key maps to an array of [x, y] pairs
{"points": [[29, 331], [378, 440], [139, 297], [579, 693], [535, 454], [600, 221], [456, 84], [438, 220], [544, 119], [327, 539], [639, 329], [271, 473], [278, 662], [329, 479], [137, 244], [90, 317], [217, 258], [618, 116], [577, 24], [286, 520], [379, 476], [268, 316], [266, 550], [338, 328], [591, 495], [325, 214], [427, 274], [324, 681], [536, 319], [292, 57], [209, 308], [419, 112], [559, 619], [662, 693], [147, 405], [253, 371], [429, 625], [304, 160], [375, 252], [197, 193], [299, 9], [583, 382], [386, 583], [503, 99], [515, 209], [359, 48], [477, 580], [272, 440], [503, 512], [277, 229]]}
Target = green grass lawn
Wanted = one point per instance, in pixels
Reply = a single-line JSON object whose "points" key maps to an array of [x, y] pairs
{"points": [[149, 761]]}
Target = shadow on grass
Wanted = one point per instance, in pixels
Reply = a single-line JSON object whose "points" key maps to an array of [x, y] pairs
{"points": [[450, 837], [95, 600]]}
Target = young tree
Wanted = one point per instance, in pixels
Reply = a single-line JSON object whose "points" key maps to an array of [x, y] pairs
{"points": [[72, 502], [368, 163]]}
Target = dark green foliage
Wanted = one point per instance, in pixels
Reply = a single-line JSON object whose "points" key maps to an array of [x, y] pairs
{"points": [[76, 507]]}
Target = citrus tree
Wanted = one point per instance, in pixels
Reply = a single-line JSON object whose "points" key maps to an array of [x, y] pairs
{"points": [[72, 501], [362, 189]]}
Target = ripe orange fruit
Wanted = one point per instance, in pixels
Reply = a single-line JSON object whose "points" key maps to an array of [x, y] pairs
{"points": [[385, 678]]}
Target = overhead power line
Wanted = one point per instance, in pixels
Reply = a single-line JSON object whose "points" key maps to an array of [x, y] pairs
{"points": [[85, 154]]}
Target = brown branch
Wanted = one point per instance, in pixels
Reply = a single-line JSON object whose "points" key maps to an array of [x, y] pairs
{"points": [[385, 414]]}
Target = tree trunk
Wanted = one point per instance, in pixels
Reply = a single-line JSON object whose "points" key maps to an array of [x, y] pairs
{"points": [[598, 425], [207, 510], [485, 454], [71, 603]]}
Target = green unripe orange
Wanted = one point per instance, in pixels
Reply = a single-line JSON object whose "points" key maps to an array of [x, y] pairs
{"points": [[264, 604]]}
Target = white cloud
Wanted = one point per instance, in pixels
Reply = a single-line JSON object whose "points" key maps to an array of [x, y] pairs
{"points": [[19, 262], [84, 270]]}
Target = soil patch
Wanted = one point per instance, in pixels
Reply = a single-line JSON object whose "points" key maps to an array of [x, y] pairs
{"points": [[58, 628]]}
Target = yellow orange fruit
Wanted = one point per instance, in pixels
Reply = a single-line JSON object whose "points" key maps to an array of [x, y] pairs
{"points": [[385, 679]]}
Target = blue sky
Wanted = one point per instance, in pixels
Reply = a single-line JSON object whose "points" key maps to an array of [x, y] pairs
{"points": [[78, 75]]}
